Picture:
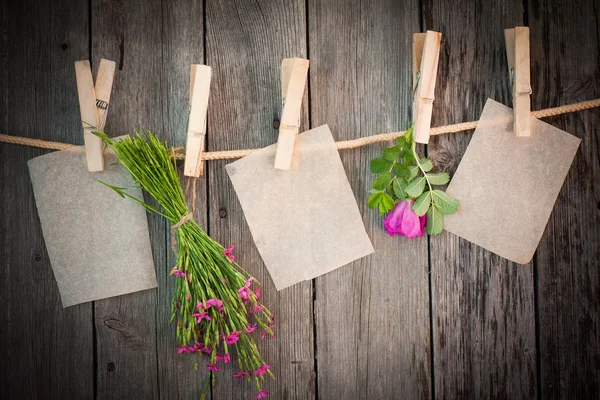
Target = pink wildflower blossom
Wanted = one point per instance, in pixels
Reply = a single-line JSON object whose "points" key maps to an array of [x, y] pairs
{"points": [[178, 272], [257, 293], [183, 349], [248, 282], [215, 303], [232, 338], [262, 370], [200, 316], [250, 328], [243, 293], [241, 374], [256, 309], [228, 252], [224, 281], [212, 367], [225, 357], [261, 394]]}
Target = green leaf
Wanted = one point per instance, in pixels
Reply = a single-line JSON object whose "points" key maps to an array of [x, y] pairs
{"points": [[414, 171], [439, 179], [408, 135], [402, 171], [382, 181], [374, 200], [380, 165], [426, 164], [444, 203], [391, 153], [435, 222], [407, 157], [386, 204], [402, 143], [415, 188], [421, 205], [398, 186]]}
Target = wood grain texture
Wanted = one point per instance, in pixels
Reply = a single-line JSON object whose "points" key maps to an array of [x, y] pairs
{"points": [[483, 305], [246, 43], [126, 326], [372, 316], [565, 59], [45, 349], [182, 46]]}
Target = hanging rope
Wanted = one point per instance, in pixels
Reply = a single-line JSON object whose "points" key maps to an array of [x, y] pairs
{"points": [[345, 144]]}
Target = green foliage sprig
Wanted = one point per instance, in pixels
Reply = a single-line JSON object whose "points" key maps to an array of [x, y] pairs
{"points": [[215, 300], [403, 175]]}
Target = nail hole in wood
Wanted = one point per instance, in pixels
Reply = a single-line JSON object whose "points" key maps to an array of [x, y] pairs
{"points": [[64, 46], [276, 124], [111, 366], [38, 257], [222, 213]]}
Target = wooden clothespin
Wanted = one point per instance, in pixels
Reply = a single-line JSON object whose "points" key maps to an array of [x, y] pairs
{"points": [[426, 54], [93, 107], [294, 73], [199, 92], [517, 53]]}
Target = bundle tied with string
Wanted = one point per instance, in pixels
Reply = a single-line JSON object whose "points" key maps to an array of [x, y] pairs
{"points": [[216, 303]]}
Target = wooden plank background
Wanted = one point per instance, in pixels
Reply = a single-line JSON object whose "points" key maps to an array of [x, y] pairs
{"points": [[420, 318]]}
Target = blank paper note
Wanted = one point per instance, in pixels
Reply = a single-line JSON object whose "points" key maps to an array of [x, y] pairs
{"points": [[98, 242], [305, 221], [507, 186]]}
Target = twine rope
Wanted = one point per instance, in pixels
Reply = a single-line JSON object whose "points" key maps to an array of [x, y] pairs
{"points": [[342, 145], [186, 218]]}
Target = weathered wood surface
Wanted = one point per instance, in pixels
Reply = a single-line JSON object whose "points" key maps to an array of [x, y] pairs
{"points": [[47, 351], [483, 305], [564, 69], [372, 317], [383, 327], [245, 44]]}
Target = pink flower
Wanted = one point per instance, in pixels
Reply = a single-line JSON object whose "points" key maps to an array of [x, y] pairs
{"points": [[248, 282], [212, 367], [215, 303], [257, 293], [188, 297], [200, 316], [243, 293], [403, 221], [250, 328], [262, 370], [241, 374], [228, 254], [178, 272], [256, 309], [225, 357], [183, 349], [265, 332], [232, 338], [224, 281], [261, 394]]}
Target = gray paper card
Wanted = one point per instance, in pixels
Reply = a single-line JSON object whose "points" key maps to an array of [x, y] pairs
{"points": [[507, 186], [304, 221], [97, 241]]}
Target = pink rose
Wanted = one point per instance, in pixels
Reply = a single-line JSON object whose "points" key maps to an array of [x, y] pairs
{"points": [[402, 220]]}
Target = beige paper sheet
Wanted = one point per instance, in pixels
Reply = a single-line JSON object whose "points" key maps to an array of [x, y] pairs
{"points": [[305, 221], [507, 186], [98, 242]]}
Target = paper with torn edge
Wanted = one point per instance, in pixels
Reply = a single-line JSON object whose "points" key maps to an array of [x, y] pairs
{"points": [[305, 221], [98, 242], [507, 185]]}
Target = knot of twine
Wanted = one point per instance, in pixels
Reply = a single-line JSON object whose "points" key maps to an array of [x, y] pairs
{"points": [[183, 220]]}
